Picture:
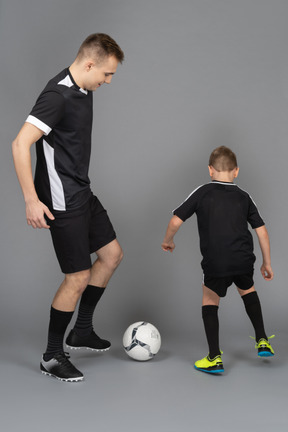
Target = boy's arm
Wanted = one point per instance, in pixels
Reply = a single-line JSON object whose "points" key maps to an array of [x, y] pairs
{"points": [[173, 226], [35, 209], [263, 237]]}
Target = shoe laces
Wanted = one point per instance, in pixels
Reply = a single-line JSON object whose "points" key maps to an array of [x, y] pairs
{"points": [[218, 357], [262, 339], [63, 357]]}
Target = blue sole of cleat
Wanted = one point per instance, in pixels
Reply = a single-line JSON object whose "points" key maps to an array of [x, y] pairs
{"points": [[265, 354], [210, 371]]}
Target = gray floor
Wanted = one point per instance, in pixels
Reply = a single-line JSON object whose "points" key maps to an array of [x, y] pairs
{"points": [[165, 394]]}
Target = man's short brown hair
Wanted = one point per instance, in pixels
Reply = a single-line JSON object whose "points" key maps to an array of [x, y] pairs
{"points": [[99, 46], [223, 159]]}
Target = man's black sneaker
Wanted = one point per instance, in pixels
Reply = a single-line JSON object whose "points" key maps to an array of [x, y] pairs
{"points": [[61, 368], [92, 342]]}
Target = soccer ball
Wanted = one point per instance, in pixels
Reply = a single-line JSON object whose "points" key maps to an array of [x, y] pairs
{"points": [[141, 341]]}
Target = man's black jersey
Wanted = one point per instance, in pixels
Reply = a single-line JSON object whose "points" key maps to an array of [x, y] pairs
{"points": [[223, 212], [63, 112]]}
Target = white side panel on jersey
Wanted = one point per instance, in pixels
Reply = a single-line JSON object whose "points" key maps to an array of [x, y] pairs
{"points": [[69, 83], [66, 81], [57, 191], [39, 124]]}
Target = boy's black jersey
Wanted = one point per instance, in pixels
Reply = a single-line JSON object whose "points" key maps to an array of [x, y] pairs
{"points": [[223, 212], [63, 111]]}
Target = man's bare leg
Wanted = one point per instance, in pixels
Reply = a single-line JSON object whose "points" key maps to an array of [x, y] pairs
{"points": [[83, 335]]}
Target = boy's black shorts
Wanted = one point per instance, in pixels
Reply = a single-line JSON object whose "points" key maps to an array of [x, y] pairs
{"points": [[220, 284], [77, 234]]}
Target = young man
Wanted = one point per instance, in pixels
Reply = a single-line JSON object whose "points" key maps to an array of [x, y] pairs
{"points": [[223, 212], [60, 198]]}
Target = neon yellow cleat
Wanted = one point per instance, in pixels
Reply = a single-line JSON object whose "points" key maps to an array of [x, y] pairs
{"points": [[208, 365], [264, 348]]}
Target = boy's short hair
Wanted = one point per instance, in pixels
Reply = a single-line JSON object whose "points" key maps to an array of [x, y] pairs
{"points": [[223, 159], [99, 46]]}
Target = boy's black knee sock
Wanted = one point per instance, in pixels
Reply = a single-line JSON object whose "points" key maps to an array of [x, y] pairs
{"points": [[253, 309], [89, 300], [58, 324], [211, 325]]}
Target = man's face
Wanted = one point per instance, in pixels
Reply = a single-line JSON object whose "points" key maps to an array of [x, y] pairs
{"points": [[98, 74]]}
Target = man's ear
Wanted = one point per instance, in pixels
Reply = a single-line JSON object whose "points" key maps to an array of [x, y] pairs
{"points": [[88, 65]]}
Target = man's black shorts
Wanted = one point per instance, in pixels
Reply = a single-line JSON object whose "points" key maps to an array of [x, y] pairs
{"points": [[220, 284], [76, 234]]}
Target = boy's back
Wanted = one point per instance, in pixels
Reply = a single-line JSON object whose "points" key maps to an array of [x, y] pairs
{"points": [[223, 211]]}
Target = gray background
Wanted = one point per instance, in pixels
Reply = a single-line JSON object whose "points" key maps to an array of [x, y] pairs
{"points": [[197, 74]]}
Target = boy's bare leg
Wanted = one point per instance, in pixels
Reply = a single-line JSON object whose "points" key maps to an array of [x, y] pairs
{"points": [[245, 292], [209, 297]]}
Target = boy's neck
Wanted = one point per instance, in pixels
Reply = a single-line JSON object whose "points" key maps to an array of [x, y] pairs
{"points": [[225, 179], [223, 176]]}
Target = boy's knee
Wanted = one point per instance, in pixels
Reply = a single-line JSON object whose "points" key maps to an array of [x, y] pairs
{"points": [[243, 293]]}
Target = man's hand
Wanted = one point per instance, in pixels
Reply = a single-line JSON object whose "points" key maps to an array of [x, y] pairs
{"points": [[35, 211]]}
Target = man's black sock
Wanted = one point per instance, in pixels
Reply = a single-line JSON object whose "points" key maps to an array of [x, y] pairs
{"points": [[59, 321], [89, 300]]}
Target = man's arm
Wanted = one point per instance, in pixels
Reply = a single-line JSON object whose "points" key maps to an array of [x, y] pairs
{"points": [[263, 237], [35, 209], [173, 226]]}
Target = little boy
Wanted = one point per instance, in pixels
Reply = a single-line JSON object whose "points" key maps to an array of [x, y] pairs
{"points": [[223, 210]]}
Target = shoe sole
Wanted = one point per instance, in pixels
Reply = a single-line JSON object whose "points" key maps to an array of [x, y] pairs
{"points": [[265, 354], [88, 348], [62, 379], [215, 371]]}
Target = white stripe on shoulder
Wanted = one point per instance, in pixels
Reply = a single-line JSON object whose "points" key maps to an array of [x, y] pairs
{"points": [[187, 197], [251, 200], [66, 81], [243, 190], [56, 186], [39, 124]]}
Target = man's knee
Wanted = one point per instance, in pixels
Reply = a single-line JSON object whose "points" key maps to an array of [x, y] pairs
{"points": [[78, 281], [115, 258], [111, 255], [119, 256]]}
